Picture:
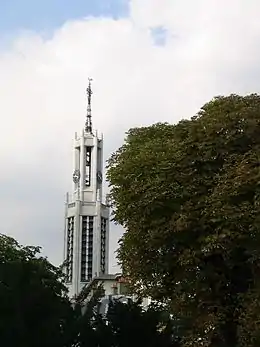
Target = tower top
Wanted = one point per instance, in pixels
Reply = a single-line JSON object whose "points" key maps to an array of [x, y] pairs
{"points": [[88, 124]]}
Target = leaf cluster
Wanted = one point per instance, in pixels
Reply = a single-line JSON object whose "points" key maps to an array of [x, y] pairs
{"points": [[35, 309], [188, 198], [34, 304]]}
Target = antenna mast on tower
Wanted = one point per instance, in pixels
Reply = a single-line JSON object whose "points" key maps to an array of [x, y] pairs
{"points": [[88, 125]]}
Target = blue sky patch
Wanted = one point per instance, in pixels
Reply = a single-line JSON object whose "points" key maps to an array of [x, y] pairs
{"points": [[47, 15], [159, 35]]}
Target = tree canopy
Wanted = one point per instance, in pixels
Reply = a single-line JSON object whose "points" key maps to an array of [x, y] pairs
{"points": [[126, 325], [188, 198], [34, 307]]}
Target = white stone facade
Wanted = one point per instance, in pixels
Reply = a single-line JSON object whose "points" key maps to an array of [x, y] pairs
{"points": [[86, 237], [115, 288]]}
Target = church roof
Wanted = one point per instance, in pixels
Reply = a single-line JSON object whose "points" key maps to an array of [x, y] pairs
{"points": [[107, 277]]}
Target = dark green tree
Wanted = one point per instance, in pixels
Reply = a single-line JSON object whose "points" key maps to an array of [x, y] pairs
{"points": [[188, 198], [132, 326], [34, 307], [121, 324], [89, 326]]}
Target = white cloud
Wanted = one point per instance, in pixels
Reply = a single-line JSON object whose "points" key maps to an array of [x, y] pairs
{"points": [[212, 48]]}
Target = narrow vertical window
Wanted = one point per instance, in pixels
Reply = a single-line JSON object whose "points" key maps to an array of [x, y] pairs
{"points": [[103, 241], [88, 166], [70, 234], [86, 248]]}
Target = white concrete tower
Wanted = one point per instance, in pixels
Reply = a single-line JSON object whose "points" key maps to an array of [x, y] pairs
{"points": [[86, 238]]}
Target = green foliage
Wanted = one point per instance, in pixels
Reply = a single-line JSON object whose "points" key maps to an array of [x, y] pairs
{"points": [[123, 325], [132, 326], [188, 197], [34, 308], [88, 322]]}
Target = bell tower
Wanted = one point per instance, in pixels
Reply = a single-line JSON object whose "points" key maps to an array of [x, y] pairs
{"points": [[86, 237]]}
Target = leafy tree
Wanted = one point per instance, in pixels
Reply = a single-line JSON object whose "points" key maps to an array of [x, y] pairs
{"points": [[188, 198], [132, 326], [34, 308], [88, 323], [124, 324]]}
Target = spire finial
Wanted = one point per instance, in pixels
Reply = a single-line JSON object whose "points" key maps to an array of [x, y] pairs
{"points": [[88, 125]]}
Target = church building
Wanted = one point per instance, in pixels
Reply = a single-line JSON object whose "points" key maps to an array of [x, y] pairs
{"points": [[86, 237]]}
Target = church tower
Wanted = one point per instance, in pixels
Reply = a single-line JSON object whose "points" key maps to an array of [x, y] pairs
{"points": [[86, 238]]}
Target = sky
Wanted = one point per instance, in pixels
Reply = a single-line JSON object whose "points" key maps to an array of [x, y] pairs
{"points": [[150, 60], [47, 15]]}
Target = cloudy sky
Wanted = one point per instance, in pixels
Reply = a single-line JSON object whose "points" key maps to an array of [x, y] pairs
{"points": [[151, 60]]}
